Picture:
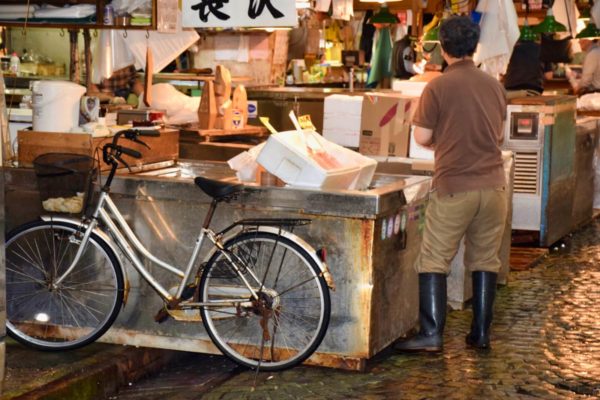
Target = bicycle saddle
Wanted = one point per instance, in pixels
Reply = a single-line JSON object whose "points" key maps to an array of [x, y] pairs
{"points": [[217, 189]]}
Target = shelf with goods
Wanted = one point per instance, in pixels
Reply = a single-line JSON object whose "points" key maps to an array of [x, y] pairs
{"points": [[95, 21]]}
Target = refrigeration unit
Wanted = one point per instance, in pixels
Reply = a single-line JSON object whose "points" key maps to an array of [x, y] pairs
{"points": [[540, 130]]}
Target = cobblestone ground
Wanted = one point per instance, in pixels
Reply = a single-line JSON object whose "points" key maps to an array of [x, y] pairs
{"points": [[546, 345]]}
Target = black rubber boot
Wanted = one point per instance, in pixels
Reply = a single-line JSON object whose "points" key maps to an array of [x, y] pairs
{"points": [[432, 315], [484, 292]]}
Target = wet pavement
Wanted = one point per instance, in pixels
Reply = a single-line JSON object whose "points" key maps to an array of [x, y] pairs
{"points": [[545, 338]]}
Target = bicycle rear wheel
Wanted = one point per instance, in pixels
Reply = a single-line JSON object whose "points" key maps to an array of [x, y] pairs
{"points": [[288, 322], [77, 311]]}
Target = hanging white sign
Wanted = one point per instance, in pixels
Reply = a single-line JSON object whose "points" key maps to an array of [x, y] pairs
{"points": [[239, 13]]}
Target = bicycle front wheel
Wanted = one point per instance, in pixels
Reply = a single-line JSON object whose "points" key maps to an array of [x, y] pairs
{"points": [[287, 322], [50, 316]]}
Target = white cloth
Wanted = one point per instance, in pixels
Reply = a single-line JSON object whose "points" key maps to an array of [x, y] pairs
{"points": [[75, 11], [590, 101], [323, 5], [165, 46], [499, 33], [110, 53], [180, 108], [566, 13], [342, 9], [595, 13]]}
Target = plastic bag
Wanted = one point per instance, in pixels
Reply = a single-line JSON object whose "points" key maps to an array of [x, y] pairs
{"points": [[245, 164], [110, 54], [129, 6]]}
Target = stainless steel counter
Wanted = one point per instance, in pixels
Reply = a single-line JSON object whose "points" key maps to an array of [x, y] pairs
{"points": [[372, 238]]}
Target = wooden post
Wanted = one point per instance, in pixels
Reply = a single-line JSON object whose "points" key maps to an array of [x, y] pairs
{"points": [[87, 39], [417, 20], [74, 66]]}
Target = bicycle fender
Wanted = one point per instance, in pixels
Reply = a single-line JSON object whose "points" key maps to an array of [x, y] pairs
{"points": [[309, 249], [105, 237]]}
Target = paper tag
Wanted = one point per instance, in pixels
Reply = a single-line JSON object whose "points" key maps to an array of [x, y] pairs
{"points": [[306, 122], [267, 124]]}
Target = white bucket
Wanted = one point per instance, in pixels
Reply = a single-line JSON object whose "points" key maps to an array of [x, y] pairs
{"points": [[56, 105]]}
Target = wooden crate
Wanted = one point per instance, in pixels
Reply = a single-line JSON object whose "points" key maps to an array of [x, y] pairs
{"points": [[34, 143]]}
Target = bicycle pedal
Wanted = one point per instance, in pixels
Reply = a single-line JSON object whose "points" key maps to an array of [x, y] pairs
{"points": [[162, 315], [188, 291]]}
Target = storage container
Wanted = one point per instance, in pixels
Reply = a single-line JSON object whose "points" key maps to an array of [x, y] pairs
{"points": [[287, 156], [56, 105]]}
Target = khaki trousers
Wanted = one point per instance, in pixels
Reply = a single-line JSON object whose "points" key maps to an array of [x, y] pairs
{"points": [[478, 215]]}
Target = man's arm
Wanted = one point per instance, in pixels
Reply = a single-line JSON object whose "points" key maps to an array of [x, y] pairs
{"points": [[590, 63], [424, 137]]}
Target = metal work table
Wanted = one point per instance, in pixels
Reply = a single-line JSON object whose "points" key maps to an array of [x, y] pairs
{"points": [[372, 238]]}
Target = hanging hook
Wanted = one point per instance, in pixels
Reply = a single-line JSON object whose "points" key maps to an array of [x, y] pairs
{"points": [[24, 31], [125, 33], [95, 33], [147, 34], [61, 33]]}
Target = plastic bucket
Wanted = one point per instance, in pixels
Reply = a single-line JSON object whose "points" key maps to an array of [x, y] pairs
{"points": [[56, 105]]}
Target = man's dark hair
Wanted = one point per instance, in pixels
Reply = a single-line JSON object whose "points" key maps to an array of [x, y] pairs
{"points": [[459, 36]]}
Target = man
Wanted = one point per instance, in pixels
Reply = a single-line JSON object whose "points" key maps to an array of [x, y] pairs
{"points": [[590, 74], [525, 73], [461, 115]]}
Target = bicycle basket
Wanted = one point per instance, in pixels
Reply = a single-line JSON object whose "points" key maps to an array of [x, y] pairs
{"points": [[65, 181]]}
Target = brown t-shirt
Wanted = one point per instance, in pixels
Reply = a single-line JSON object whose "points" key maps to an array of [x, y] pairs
{"points": [[466, 109]]}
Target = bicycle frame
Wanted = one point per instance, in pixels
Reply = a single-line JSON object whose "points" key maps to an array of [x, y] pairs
{"points": [[125, 238]]}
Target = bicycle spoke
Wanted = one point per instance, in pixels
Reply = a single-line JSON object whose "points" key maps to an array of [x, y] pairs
{"points": [[281, 327], [29, 261], [23, 274]]}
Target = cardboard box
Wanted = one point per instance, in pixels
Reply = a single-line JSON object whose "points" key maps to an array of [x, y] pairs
{"points": [[385, 124], [34, 143]]}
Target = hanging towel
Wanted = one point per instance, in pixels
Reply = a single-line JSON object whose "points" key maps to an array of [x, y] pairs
{"points": [[381, 63], [499, 33], [367, 35]]}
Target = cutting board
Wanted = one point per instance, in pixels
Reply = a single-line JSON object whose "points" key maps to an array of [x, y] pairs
{"points": [[207, 111], [240, 105], [223, 98]]}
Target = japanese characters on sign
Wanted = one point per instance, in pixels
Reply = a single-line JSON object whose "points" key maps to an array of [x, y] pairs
{"points": [[239, 13]]}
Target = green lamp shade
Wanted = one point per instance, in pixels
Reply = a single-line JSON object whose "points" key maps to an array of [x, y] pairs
{"points": [[383, 16], [527, 34], [589, 32], [432, 35], [549, 25]]}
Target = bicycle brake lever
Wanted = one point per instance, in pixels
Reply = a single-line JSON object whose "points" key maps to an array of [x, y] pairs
{"points": [[140, 142], [118, 157]]}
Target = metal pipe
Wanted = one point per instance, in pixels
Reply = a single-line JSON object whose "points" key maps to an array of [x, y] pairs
{"points": [[134, 240]]}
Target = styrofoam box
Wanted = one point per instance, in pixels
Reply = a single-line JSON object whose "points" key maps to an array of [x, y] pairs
{"points": [[367, 165], [285, 156]]}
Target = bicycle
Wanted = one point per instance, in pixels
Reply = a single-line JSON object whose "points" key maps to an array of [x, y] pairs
{"points": [[263, 295]]}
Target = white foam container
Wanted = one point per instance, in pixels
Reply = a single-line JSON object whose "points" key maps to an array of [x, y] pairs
{"points": [[367, 167], [285, 156], [56, 105]]}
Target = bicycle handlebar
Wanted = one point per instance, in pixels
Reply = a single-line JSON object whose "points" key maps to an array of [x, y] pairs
{"points": [[111, 152]]}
